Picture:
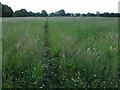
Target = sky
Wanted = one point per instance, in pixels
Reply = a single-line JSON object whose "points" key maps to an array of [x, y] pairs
{"points": [[70, 6]]}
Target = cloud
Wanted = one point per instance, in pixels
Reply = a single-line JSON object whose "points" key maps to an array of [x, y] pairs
{"points": [[82, 6]]}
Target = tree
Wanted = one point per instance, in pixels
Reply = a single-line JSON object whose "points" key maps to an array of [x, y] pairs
{"points": [[21, 13], [57, 13], [90, 14], [44, 13], [60, 13], [6, 11], [72, 14], [106, 14], [114, 15], [52, 14], [37, 14], [68, 14], [97, 13], [77, 14], [84, 15], [31, 14]]}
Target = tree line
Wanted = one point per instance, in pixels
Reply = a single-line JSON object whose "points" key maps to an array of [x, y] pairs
{"points": [[8, 12]]}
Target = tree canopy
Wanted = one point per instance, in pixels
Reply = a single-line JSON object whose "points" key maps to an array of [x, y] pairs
{"points": [[60, 13], [52, 14], [6, 11], [44, 13], [21, 13]]}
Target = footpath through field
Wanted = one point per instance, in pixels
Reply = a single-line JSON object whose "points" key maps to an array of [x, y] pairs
{"points": [[51, 67]]}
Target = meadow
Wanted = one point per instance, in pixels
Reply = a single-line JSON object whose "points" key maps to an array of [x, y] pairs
{"points": [[60, 52]]}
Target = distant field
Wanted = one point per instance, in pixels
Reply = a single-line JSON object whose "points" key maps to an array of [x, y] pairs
{"points": [[60, 52]]}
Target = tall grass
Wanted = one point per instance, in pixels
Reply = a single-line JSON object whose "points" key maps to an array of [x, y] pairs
{"points": [[82, 53], [88, 51], [23, 52]]}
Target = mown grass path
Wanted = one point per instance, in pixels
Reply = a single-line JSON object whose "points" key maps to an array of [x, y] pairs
{"points": [[51, 67]]}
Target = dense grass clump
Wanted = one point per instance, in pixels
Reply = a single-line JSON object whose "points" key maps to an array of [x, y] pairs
{"points": [[60, 52]]}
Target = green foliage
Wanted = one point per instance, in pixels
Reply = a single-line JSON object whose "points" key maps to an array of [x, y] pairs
{"points": [[77, 14], [52, 14], [68, 14], [21, 13], [31, 14], [6, 11], [84, 15], [90, 14], [60, 13], [44, 13], [97, 13], [60, 52], [38, 14]]}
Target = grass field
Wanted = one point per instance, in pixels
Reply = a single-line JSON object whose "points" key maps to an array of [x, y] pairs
{"points": [[60, 52]]}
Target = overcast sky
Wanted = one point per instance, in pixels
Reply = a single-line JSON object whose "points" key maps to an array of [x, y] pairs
{"points": [[72, 6]]}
